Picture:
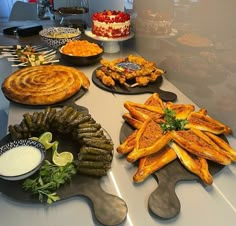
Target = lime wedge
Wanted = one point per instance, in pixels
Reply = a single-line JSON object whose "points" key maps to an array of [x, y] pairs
{"points": [[46, 139], [61, 159]]}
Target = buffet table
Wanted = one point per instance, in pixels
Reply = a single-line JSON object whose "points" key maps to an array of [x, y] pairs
{"points": [[200, 205]]}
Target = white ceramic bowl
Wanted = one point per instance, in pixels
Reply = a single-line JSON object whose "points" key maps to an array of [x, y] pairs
{"points": [[53, 36], [20, 159]]}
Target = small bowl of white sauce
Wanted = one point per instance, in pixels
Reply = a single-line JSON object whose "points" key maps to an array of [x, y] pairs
{"points": [[20, 159]]}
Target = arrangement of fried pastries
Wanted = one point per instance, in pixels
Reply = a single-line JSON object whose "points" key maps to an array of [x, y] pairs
{"points": [[154, 143], [130, 71], [44, 84]]}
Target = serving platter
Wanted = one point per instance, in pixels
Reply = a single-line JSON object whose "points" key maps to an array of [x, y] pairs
{"points": [[68, 102], [150, 88], [108, 209], [163, 202]]}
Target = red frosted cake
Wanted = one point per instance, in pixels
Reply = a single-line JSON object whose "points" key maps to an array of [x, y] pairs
{"points": [[111, 24]]}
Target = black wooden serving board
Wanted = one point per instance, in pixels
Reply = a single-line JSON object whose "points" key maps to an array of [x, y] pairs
{"points": [[68, 102], [107, 209], [163, 201], [153, 87]]}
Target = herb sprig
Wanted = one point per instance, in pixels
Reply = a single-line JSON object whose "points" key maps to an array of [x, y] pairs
{"points": [[49, 179], [171, 122]]}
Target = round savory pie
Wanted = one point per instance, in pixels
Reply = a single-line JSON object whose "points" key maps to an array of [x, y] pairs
{"points": [[44, 84]]}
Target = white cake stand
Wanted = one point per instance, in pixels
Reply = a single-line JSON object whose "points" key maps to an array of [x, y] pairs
{"points": [[111, 45]]}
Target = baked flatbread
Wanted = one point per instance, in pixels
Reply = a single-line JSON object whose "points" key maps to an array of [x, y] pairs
{"points": [[44, 84]]}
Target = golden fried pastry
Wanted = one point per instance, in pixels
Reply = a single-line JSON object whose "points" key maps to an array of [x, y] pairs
{"points": [[132, 69], [182, 111], [149, 139], [195, 144], [200, 120], [155, 100], [193, 163], [128, 144], [224, 146], [135, 123], [143, 112], [154, 162], [44, 84]]}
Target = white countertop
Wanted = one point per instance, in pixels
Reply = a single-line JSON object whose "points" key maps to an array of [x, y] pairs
{"points": [[212, 206]]}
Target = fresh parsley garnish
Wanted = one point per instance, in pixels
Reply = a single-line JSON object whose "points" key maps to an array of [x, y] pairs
{"points": [[171, 123], [49, 179]]}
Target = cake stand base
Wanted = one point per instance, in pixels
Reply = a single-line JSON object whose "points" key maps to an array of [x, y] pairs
{"points": [[111, 45]]}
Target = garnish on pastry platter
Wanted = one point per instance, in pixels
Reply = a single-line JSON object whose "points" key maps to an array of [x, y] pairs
{"points": [[163, 132], [131, 71], [93, 157]]}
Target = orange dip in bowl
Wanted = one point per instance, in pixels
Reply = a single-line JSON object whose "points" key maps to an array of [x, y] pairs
{"points": [[82, 48]]}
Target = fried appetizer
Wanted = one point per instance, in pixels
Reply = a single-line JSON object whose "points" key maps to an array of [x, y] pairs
{"points": [[224, 146], [151, 163], [182, 111], [150, 139], [201, 121], [195, 144], [129, 143], [155, 100], [164, 131], [193, 163], [135, 123], [143, 112], [130, 71]]}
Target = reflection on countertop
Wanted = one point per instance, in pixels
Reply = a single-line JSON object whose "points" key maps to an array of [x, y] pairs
{"points": [[200, 59]]}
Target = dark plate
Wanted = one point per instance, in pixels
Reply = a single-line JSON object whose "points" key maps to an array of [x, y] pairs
{"points": [[80, 60], [163, 201], [69, 102], [150, 88], [108, 209]]}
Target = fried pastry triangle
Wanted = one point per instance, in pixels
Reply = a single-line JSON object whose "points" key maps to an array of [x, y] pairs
{"points": [[135, 123], [182, 111], [194, 164], [195, 144], [151, 163], [149, 139], [155, 100], [201, 121], [128, 144], [143, 112], [224, 146]]}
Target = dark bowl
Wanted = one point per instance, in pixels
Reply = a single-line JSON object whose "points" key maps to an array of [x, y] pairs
{"points": [[81, 60]]}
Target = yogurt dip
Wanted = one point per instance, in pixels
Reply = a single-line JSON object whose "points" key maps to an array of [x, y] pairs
{"points": [[19, 160]]}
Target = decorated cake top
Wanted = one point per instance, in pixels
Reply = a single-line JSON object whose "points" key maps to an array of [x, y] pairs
{"points": [[111, 16]]}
